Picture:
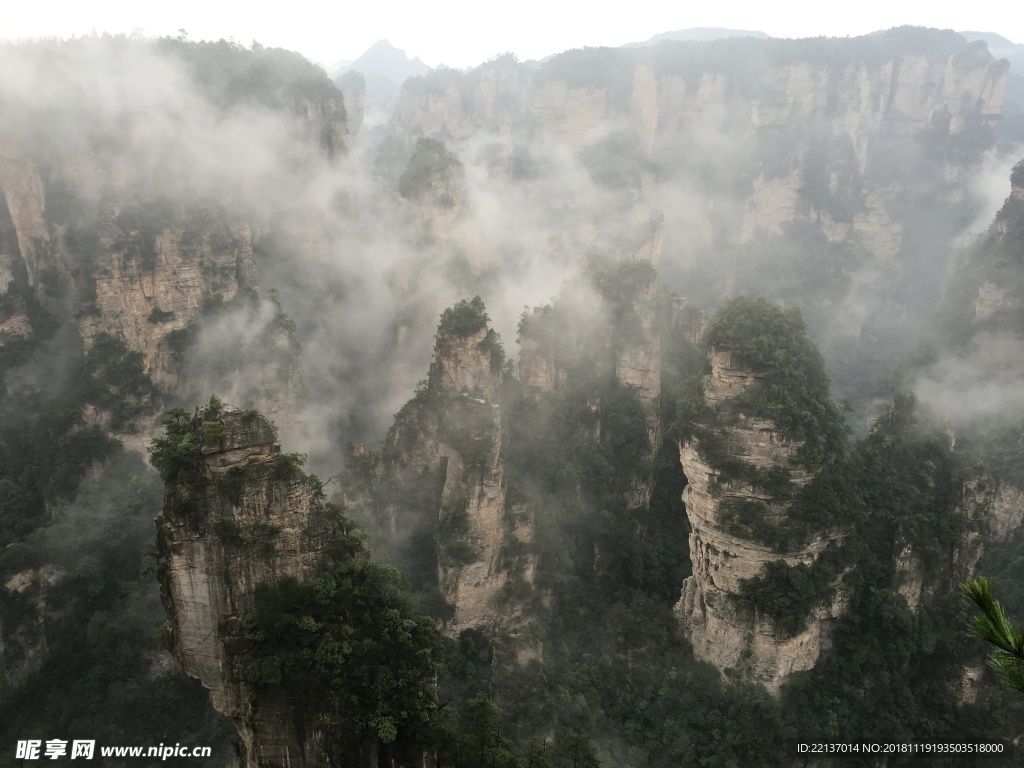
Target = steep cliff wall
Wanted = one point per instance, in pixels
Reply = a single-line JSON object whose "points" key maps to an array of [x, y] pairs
{"points": [[638, 358], [612, 329], [1007, 511], [147, 274], [353, 88], [724, 631], [988, 292], [239, 517], [447, 104]]}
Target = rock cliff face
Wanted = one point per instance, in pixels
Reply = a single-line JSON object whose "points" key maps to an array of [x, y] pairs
{"points": [[723, 630], [470, 446], [23, 209], [449, 105], [1007, 511], [977, 507], [149, 276], [23, 237], [143, 300], [638, 362], [986, 350], [996, 293], [742, 141], [539, 371], [146, 304], [353, 88], [244, 519], [97, 233], [898, 84]]}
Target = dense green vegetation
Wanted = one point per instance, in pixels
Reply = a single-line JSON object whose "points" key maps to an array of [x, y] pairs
{"points": [[793, 391], [788, 593], [464, 319], [794, 388], [997, 629], [892, 669], [614, 661], [350, 650], [898, 487], [177, 454]]}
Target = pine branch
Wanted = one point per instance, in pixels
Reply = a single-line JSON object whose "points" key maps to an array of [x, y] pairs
{"points": [[992, 626]]}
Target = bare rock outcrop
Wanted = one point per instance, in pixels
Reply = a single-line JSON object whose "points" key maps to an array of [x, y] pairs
{"points": [[469, 445], [638, 362], [22, 201]]}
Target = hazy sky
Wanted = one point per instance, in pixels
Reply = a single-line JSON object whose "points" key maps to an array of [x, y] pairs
{"points": [[461, 33]]}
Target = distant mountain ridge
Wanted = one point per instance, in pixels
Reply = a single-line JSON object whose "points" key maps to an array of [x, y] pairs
{"points": [[383, 68], [698, 34], [385, 60]]}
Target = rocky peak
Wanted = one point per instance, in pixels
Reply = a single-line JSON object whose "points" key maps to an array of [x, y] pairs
{"points": [[467, 354], [733, 464], [237, 514], [445, 449]]}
